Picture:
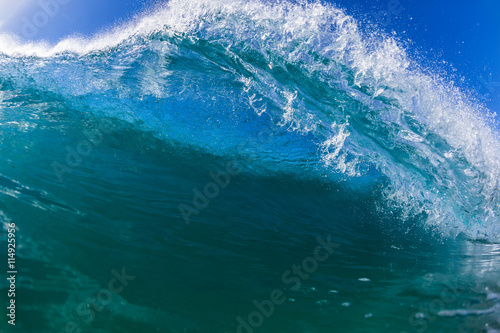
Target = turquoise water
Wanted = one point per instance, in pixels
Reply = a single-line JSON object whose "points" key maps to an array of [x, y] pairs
{"points": [[216, 167]]}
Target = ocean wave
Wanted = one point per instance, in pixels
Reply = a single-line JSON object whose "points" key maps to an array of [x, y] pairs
{"points": [[300, 85]]}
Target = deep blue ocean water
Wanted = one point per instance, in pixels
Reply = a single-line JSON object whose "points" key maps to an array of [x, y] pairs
{"points": [[245, 167]]}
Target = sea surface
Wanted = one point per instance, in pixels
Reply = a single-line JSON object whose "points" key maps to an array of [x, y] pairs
{"points": [[237, 166]]}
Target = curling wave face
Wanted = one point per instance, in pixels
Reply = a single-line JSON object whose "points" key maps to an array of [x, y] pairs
{"points": [[313, 95]]}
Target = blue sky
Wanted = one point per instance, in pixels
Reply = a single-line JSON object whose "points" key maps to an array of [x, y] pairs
{"points": [[464, 33], [52, 20]]}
